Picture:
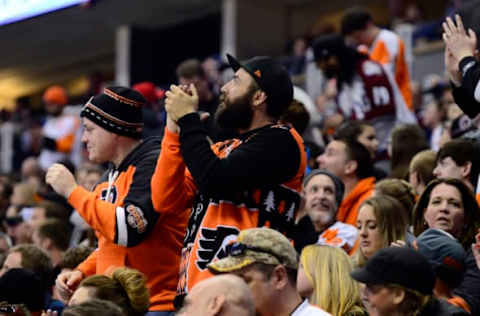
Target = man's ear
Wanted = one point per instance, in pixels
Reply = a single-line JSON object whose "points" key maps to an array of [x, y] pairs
{"points": [[466, 169], [216, 304], [259, 98], [350, 167], [398, 295], [279, 277]]}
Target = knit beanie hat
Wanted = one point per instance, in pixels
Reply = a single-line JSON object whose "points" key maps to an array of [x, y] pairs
{"points": [[118, 110], [339, 186]]}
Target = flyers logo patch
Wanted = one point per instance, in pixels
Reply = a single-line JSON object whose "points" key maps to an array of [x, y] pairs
{"points": [[136, 219], [258, 73], [213, 243], [112, 197]]}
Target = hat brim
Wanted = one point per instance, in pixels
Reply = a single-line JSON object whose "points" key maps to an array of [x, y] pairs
{"points": [[234, 63], [230, 264], [363, 276]]}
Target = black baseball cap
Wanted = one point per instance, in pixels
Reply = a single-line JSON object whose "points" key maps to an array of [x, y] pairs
{"points": [[271, 77], [400, 266]]}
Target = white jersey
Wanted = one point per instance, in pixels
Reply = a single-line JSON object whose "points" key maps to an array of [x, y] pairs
{"points": [[306, 309], [63, 130]]}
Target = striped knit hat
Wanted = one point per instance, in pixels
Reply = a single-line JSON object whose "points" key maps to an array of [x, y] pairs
{"points": [[118, 110]]}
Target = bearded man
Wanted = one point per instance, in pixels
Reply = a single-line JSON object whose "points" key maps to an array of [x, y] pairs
{"points": [[250, 181]]}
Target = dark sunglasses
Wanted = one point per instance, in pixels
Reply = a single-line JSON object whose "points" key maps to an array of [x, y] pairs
{"points": [[237, 249]]}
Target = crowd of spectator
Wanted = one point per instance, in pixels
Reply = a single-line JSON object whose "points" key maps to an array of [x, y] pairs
{"points": [[328, 183]]}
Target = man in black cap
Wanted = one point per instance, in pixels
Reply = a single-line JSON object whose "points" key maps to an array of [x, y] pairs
{"points": [[131, 229], [399, 281], [251, 181]]}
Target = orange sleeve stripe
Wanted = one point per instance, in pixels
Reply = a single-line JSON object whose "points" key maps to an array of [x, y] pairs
{"points": [[402, 76], [380, 53]]}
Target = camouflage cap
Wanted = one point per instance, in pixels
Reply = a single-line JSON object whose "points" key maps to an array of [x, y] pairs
{"points": [[257, 245]]}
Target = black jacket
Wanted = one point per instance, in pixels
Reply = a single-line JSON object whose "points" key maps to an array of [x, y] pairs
{"points": [[438, 307]]}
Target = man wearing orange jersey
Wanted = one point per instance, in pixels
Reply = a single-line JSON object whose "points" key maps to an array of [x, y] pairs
{"points": [[384, 46]]}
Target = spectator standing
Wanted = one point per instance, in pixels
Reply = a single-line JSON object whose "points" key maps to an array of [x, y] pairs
{"points": [[226, 182], [384, 46], [360, 89], [123, 209]]}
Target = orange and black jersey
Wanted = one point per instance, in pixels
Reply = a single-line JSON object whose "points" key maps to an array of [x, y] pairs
{"points": [[251, 181], [131, 231]]}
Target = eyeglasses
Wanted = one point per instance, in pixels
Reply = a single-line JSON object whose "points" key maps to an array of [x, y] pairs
{"points": [[237, 249]]}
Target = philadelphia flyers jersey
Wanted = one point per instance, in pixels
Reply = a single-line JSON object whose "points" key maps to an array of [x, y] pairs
{"points": [[131, 230], [374, 97], [251, 181]]}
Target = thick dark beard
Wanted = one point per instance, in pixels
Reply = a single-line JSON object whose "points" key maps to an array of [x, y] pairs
{"points": [[236, 114]]}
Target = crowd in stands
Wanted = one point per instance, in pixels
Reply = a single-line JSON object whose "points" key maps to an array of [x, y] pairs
{"points": [[328, 183]]}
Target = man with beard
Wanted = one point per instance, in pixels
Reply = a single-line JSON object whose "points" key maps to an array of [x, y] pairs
{"points": [[359, 88], [250, 181], [323, 192], [59, 130]]}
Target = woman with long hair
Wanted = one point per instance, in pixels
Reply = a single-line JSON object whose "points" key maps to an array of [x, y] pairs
{"points": [[381, 220], [324, 278]]}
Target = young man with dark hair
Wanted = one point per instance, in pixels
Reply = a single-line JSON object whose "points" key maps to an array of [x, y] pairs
{"points": [[459, 159], [268, 263], [52, 236], [250, 181], [384, 46], [350, 161]]}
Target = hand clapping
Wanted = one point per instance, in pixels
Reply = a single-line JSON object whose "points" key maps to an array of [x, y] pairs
{"points": [[181, 101]]}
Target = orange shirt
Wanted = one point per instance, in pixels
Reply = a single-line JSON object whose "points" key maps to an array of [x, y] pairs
{"points": [[132, 231], [348, 210], [388, 49]]}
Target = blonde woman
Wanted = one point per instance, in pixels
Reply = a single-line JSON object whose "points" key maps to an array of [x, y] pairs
{"points": [[125, 287], [324, 278]]}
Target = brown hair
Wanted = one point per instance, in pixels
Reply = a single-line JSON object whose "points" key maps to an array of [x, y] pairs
{"points": [[74, 256], [407, 140], [34, 259], [423, 163], [400, 190], [470, 209], [94, 306], [392, 220], [126, 288], [55, 230], [54, 210]]}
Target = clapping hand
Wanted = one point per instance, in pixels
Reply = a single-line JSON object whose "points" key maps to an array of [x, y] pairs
{"points": [[181, 101], [458, 41]]}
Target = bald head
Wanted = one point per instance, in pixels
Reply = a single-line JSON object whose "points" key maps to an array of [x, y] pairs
{"points": [[220, 295]]}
